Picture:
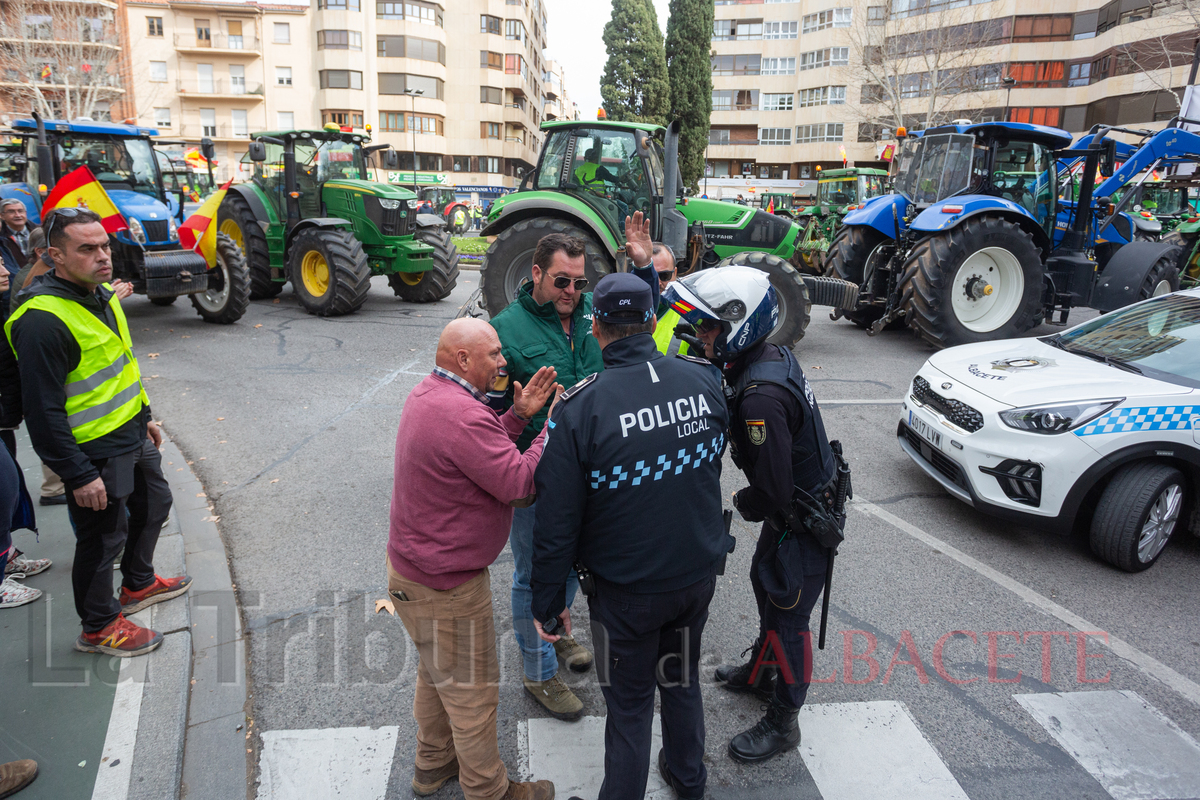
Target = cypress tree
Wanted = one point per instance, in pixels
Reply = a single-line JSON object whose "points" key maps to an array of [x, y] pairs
{"points": [[635, 87], [689, 33]]}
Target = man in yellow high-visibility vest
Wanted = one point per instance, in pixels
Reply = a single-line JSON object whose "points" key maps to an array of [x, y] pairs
{"points": [[77, 381], [668, 318]]}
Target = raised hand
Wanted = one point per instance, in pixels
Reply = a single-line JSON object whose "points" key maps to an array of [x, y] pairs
{"points": [[638, 245], [529, 399]]}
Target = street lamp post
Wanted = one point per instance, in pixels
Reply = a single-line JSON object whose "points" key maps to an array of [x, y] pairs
{"points": [[1008, 81], [413, 94]]}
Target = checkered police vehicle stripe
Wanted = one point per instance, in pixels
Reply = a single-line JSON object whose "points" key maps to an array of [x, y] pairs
{"points": [[1151, 418], [655, 469]]}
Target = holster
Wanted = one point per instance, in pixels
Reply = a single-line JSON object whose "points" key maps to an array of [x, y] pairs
{"points": [[587, 581]]}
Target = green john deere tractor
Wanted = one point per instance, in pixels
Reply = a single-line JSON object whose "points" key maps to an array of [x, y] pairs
{"points": [[328, 229], [838, 191], [592, 175]]}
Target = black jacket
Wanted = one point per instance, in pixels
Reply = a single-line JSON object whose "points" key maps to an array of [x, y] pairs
{"points": [[630, 480], [33, 385]]}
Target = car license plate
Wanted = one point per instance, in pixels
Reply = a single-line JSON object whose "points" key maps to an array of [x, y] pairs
{"points": [[925, 430]]}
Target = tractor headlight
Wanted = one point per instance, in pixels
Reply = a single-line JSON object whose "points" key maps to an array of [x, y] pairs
{"points": [[414, 203], [136, 230], [1057, 418], [172, 230], [390, 205]]}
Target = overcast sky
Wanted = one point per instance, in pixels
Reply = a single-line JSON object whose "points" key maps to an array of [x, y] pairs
{"points": [[576, 31]]}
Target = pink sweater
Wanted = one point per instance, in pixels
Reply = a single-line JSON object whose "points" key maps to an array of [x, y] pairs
{"points": [[457, 470]]}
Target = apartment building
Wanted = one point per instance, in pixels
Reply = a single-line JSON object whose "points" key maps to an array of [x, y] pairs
{"points": [[797, 84], [558, 105]]}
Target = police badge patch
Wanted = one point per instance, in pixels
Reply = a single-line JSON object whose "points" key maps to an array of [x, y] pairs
{"points": [[756, 431]]}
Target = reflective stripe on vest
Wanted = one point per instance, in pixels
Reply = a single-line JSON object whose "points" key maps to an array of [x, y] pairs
{"points": [[664, 334], [104, 391]]}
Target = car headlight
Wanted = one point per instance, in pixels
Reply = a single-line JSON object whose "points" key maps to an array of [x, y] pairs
{"points": [[136, 230], [390, 205], [172, 230], [1057, 418], [414, 203]]}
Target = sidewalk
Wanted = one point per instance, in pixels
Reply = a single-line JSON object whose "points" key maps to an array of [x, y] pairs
{"points": [[102, 727]]}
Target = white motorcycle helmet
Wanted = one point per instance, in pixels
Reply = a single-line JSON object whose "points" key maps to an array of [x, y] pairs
{"points": [[740, 298]]}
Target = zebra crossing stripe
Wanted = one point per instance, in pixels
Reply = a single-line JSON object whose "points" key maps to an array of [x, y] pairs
{"points": [[1125, 743], [571, 754], [326, 762]]}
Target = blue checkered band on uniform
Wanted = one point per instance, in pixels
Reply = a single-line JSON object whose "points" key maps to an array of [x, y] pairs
{"points": [[740, 298]]}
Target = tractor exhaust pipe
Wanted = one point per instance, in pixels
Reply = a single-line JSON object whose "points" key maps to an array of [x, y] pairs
{"points": [[674, 224], [45, 158]]}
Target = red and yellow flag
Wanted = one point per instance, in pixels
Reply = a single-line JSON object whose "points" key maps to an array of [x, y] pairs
{"points": [[199, 231], [80, 188], [771, 206]]}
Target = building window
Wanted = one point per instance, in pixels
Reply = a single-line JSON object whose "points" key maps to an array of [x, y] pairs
{"points": [[339, 40], [413, 10], [39, 26], [821, 132], [283, 76], [490, 60], [780, 136], [1079, 75], [514, 30], [340, 79], [780, 66], [208, 122], [776, 102], [823, 96], [398, 122], [490, 94], [489, 24], [876, 15], [234, 30], [203, 33], [158, 71], [283, 33], [162, 118], [722, 100], [736, 65], [1036, 116], [420, 49], [154, 26], [400, 83], [831, 18], [718, 136], [489, 130], [1043, 28], [779, 30], [1038, 74], [241, 123], [515, 65], [338, 5], [489, 164], [285, 120], [352, 119], [462, 164], [829, 57]]}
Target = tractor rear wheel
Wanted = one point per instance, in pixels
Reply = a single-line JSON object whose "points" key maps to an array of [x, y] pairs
{"points": [[236, 220], [508, 262], [329, 271], [795, 307], [432, 284], [856, 252], [975, 283], [228, 294], [1186, 244]]}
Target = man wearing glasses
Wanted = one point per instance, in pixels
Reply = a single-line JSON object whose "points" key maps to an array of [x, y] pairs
{"points": [[550, 324], [664, 334]]}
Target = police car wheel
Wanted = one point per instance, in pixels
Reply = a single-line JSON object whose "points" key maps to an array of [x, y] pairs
{"points": [[1139, 511]]}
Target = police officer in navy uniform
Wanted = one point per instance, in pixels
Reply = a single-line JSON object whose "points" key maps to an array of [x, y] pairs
{"points": [[778, 441], [629, 488]]}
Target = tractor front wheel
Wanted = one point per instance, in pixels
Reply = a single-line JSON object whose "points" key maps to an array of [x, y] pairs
{"points": [[236, 220], [434, 283], [508, 262], [978, 282], [329, 271], [855, 255], [228, 294], [795, 307]]}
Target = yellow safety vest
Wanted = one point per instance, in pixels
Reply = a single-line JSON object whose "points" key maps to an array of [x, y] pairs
{"points": [[105, 390], [664, 334], [585, 174]]}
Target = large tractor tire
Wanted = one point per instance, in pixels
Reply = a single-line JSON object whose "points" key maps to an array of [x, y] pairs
{"points": [[795, 307], [237, 221], [856, 252], [432, 284], [508, 263], [1186, 244], [1140, 509], [975, 283], [329, 271], [228, 294], [164, 301]]}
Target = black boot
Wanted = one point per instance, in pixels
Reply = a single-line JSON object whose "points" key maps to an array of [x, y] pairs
{"points": [[779, 730], [737, 678]]}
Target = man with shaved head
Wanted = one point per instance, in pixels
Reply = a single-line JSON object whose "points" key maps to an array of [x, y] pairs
{"points": [[458, 476]]}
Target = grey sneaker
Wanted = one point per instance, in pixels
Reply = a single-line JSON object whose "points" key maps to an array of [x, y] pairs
{"points": [[577, 657], [556, 697]]}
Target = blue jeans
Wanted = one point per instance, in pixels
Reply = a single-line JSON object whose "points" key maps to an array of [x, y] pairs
{"points": [[541, 664]]}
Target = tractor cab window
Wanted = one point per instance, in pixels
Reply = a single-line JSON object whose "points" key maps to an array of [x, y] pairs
{"points": [[1024, 172], [656, 161], [116, 163], [171, 183], [837, 191], [869, 186], [933, 168], [1163, 202], [322, 161], [268, 175], [12, 165], [602, 168]]}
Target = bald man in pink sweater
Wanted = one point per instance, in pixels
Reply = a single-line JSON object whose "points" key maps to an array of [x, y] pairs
{"points": [[458, 473]]}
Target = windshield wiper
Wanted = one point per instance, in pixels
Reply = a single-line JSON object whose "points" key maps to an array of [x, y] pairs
{"points": [[1111, 361]]}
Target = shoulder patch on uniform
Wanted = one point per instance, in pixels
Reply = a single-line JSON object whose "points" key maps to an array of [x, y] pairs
{"points": [[756, 431], [577, 388], [694, 359]]}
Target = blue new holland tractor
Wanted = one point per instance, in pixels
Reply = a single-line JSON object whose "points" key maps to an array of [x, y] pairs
{"points": [[980, 240]]}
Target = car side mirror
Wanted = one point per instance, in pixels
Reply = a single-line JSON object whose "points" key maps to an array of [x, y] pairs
{"points": [[391, 159], [1108, 158], [257, 151], [207, 148]]}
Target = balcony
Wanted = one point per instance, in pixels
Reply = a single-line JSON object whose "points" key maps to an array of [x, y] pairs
{"points": [[516, 114], [220, 88], [221, 43], [221, 132]]}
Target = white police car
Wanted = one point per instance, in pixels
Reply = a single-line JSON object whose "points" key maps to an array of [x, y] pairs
{"points": [[1099, 424]]}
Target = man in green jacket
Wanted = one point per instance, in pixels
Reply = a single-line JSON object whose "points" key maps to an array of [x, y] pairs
{"points": [[550, 324]]}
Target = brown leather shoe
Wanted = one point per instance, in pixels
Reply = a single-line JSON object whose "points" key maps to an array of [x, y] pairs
{"points": [[427, 781], [536, 790], [16, 775]]}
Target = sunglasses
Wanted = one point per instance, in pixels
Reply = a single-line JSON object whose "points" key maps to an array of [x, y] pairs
{"points": [[666, 276], [562, 282], [707, 325], [67, 212]]}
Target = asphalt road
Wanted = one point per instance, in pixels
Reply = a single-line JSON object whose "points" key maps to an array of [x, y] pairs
{"points": [[290, 420]]}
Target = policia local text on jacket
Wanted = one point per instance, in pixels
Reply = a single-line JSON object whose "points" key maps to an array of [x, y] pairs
{"points": [[76, 382], [630, 486]]}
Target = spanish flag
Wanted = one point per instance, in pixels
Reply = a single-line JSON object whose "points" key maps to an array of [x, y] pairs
{"points": [[199, 231], [80, 188], [771, 206]]}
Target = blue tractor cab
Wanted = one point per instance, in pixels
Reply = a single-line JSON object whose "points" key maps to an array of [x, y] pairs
{"points": [[148, 254]]}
